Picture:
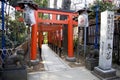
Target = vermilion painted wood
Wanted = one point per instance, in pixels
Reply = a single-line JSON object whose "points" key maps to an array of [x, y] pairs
{"points": [[70, 37], [52, 31], [34, 39]]}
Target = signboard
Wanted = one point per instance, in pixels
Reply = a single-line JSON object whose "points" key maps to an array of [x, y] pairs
{"points": [[106, 40]]}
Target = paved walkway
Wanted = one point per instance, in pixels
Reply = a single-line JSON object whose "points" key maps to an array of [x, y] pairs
{"points": [[71, 74], [51, 61], [56, 69]]}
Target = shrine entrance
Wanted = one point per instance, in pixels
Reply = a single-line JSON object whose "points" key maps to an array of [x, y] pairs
{"points": [[54, 26]]}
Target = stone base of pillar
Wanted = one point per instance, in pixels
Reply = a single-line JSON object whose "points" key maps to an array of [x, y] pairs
{"points": [[105, 74], [71, 59], [34, 62]]}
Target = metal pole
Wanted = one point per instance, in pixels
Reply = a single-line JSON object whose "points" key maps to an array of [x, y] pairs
{"points": [[96, 30], [3, 31], [85, 4], [85, 34], [78, 52], [84, 41]]}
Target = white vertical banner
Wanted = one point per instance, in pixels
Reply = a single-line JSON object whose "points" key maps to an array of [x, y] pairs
{"points": [[106, 40]]}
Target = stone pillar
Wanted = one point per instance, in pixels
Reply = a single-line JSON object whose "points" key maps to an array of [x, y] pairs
{"points": [[105, 70]]}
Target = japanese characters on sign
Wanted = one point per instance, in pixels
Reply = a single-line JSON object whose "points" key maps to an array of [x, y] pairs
{"points": [[106, 39], [110, 24]]}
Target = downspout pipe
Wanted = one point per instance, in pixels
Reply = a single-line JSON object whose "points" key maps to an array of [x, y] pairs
{"points": [[3, 29]]}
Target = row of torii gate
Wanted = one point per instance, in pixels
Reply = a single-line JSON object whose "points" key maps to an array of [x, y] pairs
{"points": [[54, 28]]}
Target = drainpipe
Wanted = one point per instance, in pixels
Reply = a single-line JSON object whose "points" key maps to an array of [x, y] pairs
{"points": [[96, 30], [3, 30]]}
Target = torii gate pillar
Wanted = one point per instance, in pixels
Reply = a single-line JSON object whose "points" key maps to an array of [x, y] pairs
{"points": [[70, 56], [34, 39]]}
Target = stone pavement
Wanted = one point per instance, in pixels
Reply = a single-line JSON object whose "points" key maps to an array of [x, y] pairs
{"points": [[71, 74], [56, 69], [51, 60]]}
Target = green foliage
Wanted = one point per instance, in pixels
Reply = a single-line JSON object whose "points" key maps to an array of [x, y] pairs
{"points": [[45, 17], [42, 3], [105, 5], [45, 38], [15, 33], [13, 2], [75, 43], [102, 6]]}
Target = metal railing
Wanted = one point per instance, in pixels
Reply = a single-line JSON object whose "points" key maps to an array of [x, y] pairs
{"points": [[5, 53]]}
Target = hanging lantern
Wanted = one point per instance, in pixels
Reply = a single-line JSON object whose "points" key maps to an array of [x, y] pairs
{"points": [[83, 17], [83, 20], [28, 6], [29, 15]]}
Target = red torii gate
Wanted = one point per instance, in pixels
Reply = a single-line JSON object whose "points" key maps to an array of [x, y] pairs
{"points": [[54, 12], [53, 32], [69, 21]]}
